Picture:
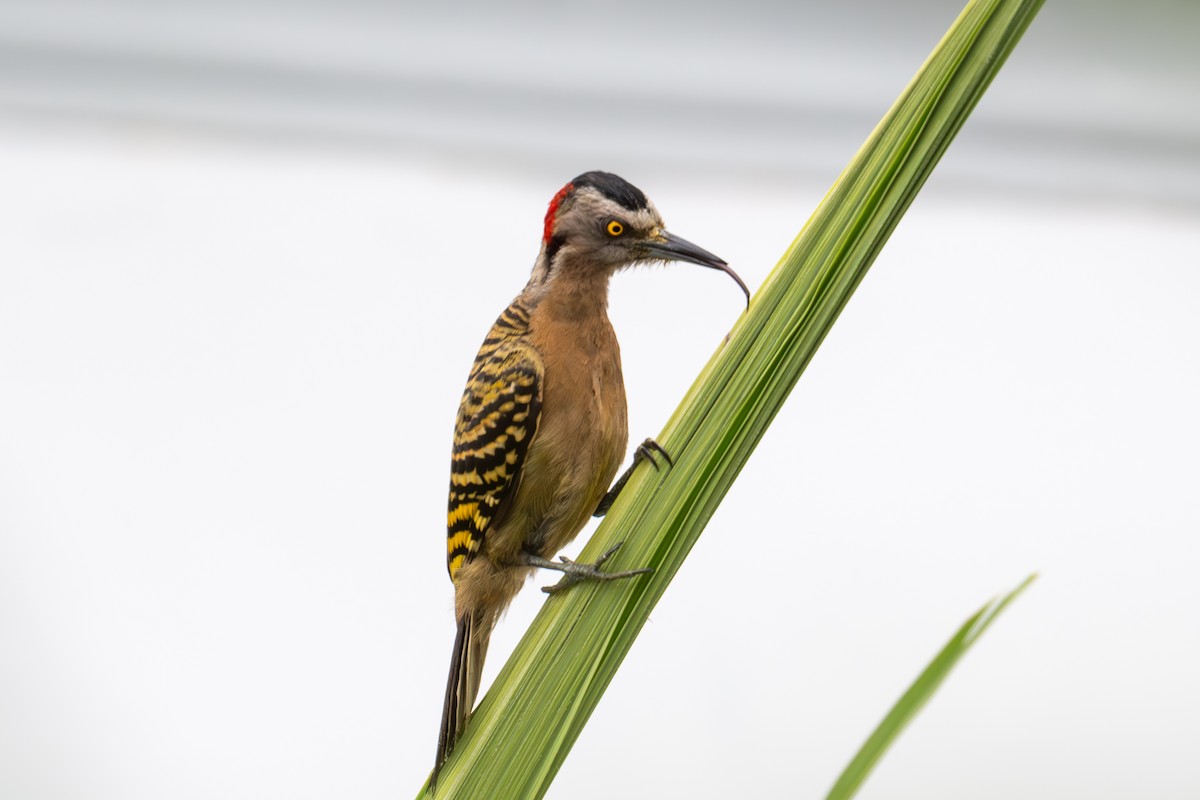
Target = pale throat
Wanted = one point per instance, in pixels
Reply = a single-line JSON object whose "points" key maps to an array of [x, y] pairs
{"points": [[577, 297]]}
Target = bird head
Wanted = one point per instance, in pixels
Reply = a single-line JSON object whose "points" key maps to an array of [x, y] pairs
{"points": [[600, 223]]}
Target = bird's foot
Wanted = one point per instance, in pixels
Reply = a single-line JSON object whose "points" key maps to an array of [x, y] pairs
{"points": [[574, 572], [645, 452]]}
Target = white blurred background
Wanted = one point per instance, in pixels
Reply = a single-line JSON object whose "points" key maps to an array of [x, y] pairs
{"points": [[248, 250]]}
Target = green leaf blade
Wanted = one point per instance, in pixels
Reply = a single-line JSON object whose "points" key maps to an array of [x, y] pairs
{"points": [[918, 694]]}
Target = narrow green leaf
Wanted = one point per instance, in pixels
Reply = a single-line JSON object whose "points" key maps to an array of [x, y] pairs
{"points": [[525, 726], [918, 695]]}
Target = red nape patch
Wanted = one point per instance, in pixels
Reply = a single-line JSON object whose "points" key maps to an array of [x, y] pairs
{"points": [[553, 209]]}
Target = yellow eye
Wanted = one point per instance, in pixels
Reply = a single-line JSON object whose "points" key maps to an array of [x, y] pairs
{"points": [[615, 228]]}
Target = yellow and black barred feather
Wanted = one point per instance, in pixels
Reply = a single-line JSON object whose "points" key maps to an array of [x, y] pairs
{"points": [[496, 421]]}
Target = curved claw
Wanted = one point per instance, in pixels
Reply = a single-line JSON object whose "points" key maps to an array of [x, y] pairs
{"points": [[646, 450]]}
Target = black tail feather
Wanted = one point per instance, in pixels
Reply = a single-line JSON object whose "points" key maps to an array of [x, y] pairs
{"points": [[455, 683]]}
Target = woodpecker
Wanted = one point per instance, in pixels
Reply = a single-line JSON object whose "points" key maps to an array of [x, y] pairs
{"points": [[542, 427]]}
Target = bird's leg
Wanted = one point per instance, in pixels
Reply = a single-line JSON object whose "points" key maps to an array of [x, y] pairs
{"points": [[574, 572], [645, 452]]}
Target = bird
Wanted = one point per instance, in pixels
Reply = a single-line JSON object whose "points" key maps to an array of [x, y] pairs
{"points": [[541, 429]]}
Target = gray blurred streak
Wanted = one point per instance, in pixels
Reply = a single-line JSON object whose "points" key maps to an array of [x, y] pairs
{"points": [[1096, 105]]}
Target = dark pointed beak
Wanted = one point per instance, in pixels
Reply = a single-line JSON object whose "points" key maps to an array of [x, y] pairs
{"points": [[670, 247]]}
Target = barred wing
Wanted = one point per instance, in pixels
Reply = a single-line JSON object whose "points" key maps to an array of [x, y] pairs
{"points": [[496, 421]]}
